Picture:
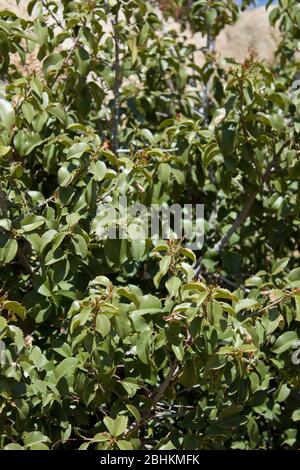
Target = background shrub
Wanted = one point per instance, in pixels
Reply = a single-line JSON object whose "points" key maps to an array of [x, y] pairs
{"points": [[132, 344]]}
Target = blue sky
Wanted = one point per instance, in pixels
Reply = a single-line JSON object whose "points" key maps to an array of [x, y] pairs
{"points": [[258, 2]]}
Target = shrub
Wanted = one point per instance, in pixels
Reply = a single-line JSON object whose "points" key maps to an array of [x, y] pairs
{"points": [[139, 344]]}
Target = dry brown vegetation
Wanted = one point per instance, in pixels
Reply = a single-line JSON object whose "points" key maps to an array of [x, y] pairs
{"points": [[252, 31]]}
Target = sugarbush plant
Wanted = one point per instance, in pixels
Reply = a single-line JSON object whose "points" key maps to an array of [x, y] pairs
{"points": [[140, 344]]}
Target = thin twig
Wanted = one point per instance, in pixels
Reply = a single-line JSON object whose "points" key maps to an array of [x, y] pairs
{"points": [[66, 59], [40, 205], [156, 148], [171, 376], [117, 84], [3, 203], [245, 211], [248, 204], [163, 387], [210, 47], [238, 221], [57, 21]]}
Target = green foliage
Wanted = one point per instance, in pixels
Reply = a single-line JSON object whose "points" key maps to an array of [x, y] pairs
{"points": [[133, 344]]}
